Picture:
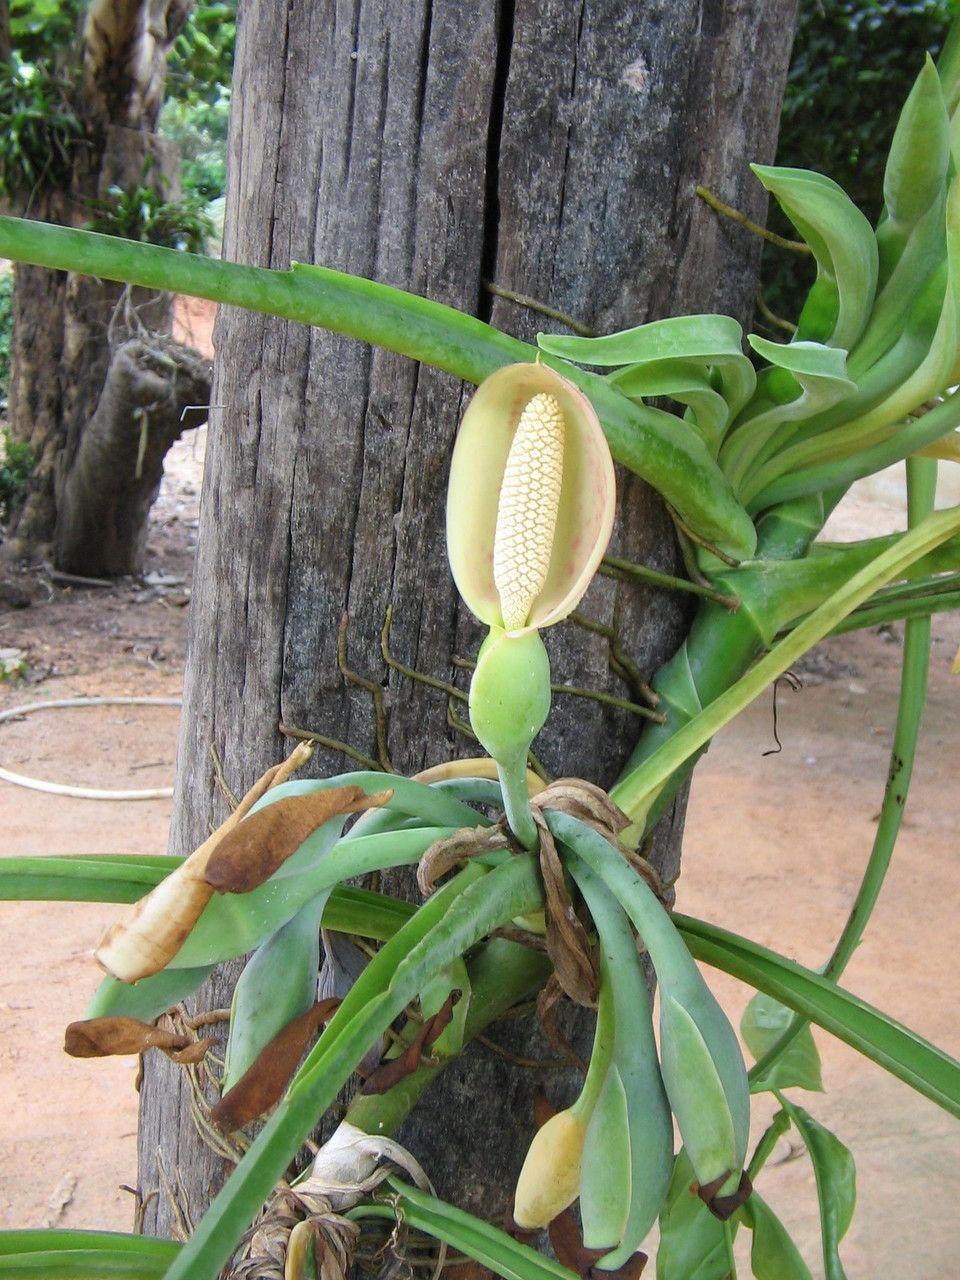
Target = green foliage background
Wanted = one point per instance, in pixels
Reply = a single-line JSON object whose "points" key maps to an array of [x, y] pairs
{"points": [[853, 64]]}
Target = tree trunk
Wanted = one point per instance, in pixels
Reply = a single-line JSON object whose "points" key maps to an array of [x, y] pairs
{"points": [[68, 329], [554, 148]]}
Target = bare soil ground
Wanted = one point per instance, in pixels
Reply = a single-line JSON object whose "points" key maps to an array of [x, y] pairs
{"points": [[775, 847]]}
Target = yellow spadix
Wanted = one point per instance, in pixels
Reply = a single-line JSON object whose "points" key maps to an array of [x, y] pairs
{"points": [[531, 499]]}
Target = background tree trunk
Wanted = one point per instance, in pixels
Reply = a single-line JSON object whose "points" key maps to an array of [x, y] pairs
{"points": [[68, 330], [553, 147]]}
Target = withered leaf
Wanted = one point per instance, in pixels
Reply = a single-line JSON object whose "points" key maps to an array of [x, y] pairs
{"points": [[567, 943], [724, 1207], [444, 855], [262, 1084], [548, 1011], [153, 930], [255, 848], [394, 1070], [115, 1035]]}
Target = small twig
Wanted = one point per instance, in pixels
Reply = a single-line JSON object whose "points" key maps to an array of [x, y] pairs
{"points": [[594, 695], [544, 309], [700, 542], [728, 211], [534, 1064], [232, 799], [626, 570], [792, 681], [76, 579], [771, 317], [332, 744], [371, 686]]}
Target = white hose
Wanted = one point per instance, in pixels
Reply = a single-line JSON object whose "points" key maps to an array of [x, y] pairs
{"points": [[84, 793]]}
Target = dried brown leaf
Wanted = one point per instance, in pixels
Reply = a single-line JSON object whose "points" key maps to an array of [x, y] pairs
{"points": [[567, 943], [571, 1252], [394, 1070], [249, 854], [263, 1083], [152, 931], [444, 855], [115, 1035]]}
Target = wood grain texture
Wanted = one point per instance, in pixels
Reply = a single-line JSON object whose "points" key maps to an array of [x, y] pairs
{"points": [[554, 146]]}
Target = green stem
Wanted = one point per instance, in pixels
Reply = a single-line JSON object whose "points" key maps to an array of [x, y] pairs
{"points": [[921, 482], [658, 446], [633, 793], [516, 801]]}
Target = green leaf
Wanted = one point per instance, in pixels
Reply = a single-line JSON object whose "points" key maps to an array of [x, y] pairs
{"points": [[684, 381], [691, 1238], [126, 878], [900, 1051], [82, 878], [773, 1255], [480, 1240], [663, 356], [844, 246], [836, 1177], [764, 1021], [666, 453], [148, 998], [817, 380], [675, 338], [918, 160], [75, 1255]]}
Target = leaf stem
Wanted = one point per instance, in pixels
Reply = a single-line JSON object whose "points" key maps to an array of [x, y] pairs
{"points": [[658, 446], [921, 482]]}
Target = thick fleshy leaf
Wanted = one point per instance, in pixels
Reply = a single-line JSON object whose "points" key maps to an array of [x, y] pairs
{"points": [[660, 359], [917, 165], [764, 1021], [584, 518], [816, 378], [844, 246], [685, 382], [836, 1177], [149, 997]]}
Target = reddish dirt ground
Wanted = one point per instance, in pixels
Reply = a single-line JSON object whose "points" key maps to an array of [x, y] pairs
{"points": [[775, 847]]}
